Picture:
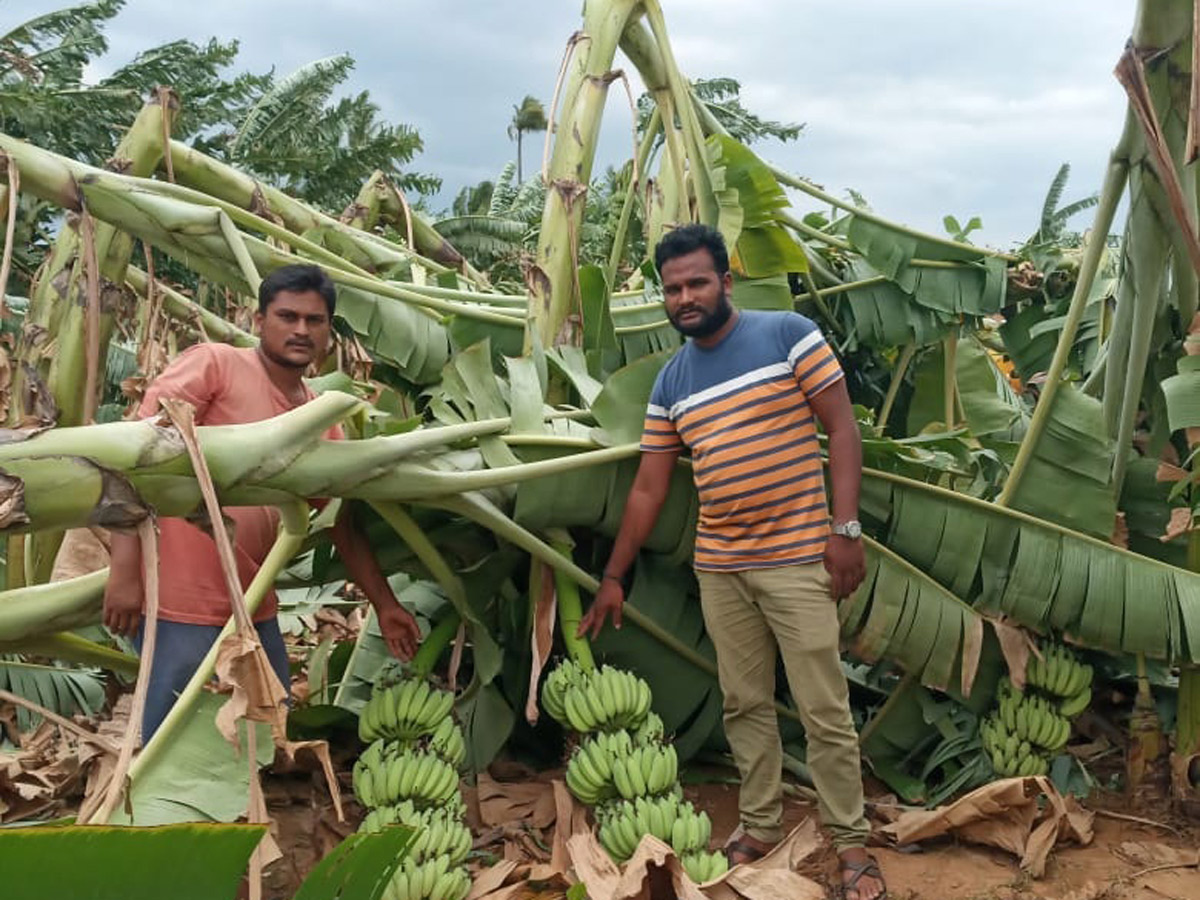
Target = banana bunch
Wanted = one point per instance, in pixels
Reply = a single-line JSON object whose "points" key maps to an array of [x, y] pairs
{"points": [[1009, 754], [692, 830], [442, 832], [554, 691], [436, 879], [606, 699], [623, 823], [1031, 718], [702, 866], [1059, 672], [651, 731], [647, 770], [389, 774], [448, 743], [589, 773], [407, 710]]}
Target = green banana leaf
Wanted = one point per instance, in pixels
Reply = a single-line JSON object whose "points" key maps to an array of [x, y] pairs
{"points": [[901, 614], [749, 200], [891, 250], [1069, 479], [97, 862], [883, 314], [991, 406], [184, 862], [361, 866], [1002, 560], [1182, 392], [202, 779], [60, 690]]}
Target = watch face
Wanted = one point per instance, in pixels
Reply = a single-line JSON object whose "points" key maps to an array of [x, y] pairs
{"points": [[852, 530]]}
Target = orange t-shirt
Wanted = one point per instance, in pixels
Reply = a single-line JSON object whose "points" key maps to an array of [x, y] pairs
{"points": [[227, 386]]}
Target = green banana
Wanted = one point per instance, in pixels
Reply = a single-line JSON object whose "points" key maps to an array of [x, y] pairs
{"points": [[1076, 703]]}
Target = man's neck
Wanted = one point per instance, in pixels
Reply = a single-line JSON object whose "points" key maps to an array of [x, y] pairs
{"points": [[288, 379], [719, 335]]}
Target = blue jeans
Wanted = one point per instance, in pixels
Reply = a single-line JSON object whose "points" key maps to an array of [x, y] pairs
{"points": [[178, 650]]}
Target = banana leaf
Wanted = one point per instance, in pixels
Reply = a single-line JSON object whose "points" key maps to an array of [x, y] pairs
{"points": [[749, 199], [1182, 392], [991, 406], [202, 779], [95, 862], [1069, 479], [61, 690], [883, 314], [892, 250], [1002, 560], [361, 866], [595, 498], [641, 324], [902, 614]]}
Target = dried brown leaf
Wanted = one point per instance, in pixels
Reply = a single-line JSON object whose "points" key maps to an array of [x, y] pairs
{"points": [[1016, 645], [541, 637], [1179, 524]]}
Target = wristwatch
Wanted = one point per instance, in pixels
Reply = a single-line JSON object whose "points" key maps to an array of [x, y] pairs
{"points": [[851, 529]]}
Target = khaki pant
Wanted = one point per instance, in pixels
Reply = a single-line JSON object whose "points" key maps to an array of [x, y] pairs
{"points": [[748, 615]]}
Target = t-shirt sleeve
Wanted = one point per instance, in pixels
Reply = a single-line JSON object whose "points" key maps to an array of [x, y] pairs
{"points": [[810, 356], [194, 376], [658, 431]]}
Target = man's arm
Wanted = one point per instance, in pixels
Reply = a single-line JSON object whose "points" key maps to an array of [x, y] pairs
{"points": [[400, 629], [645, 501], [844, 558], [123, 592]]}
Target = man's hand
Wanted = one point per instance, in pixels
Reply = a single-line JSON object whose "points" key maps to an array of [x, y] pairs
{"points": [[846, 564], [400, 630], [609, 600], [123, 605]]}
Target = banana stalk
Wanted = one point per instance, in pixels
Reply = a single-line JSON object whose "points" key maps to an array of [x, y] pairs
{"points": [[434, 643], [554, 305], [44, 608], [63, 315], [570, 606]]}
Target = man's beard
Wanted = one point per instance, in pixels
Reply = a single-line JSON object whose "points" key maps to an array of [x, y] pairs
{"points": [[710, 323]]}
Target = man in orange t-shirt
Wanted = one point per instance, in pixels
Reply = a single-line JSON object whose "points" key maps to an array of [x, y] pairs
{"points": [[232, 386]]}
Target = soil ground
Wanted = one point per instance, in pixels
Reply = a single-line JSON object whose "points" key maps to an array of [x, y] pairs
{"points": [[1112, 867]]}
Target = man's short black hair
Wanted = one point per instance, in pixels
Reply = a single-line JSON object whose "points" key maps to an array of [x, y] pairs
{"points": [[297, 279], [689, 239]]}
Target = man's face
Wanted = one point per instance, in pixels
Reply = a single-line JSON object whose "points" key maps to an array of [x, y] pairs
{"points": [[295, 328], [696, 297]]}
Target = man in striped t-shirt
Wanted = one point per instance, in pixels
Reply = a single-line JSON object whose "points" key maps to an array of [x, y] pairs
{"points": [[744, 397]]}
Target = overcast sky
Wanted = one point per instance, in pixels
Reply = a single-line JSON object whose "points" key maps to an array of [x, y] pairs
{"points": [[926, 107]]}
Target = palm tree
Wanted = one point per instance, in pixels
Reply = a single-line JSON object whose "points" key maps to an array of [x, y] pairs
{"points": [[529, 116]]}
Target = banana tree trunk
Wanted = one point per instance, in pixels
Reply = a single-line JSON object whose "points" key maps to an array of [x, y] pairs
{"points": [[70, 383], [379, 200], [555, 308]]}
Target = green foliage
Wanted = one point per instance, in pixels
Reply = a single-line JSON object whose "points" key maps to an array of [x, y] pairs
{"points": [[186, 862], [722, 97], [58, 689], [94, 862], [202, 779], [322, 152]]}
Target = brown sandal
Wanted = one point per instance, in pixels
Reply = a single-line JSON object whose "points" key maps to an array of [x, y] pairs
{"points": [[739, 845], [868, 867]]}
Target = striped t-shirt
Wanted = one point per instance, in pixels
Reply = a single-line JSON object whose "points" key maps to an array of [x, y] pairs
{"points": [[742, 410]]}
